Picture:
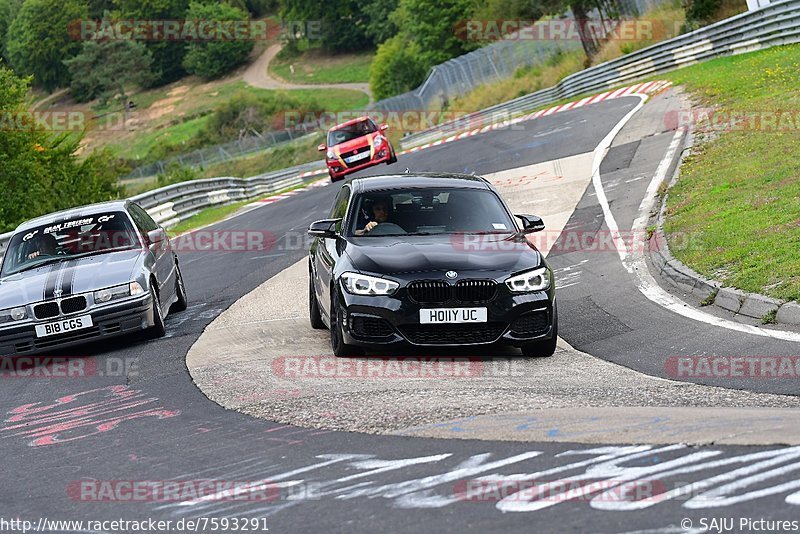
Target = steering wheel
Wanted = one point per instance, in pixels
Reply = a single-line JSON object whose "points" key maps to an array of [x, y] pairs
{"points": [[386, 228]]}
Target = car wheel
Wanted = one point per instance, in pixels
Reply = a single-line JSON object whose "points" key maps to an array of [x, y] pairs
{"points": [[180, 290], [392, 158], [543, 349], [313, 306], [158, 329], [340, 348]]}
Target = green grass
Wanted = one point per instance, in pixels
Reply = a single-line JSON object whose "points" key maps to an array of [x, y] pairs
{"points": [[147, 141], [289, 155], [738, 197], [315, 67]]}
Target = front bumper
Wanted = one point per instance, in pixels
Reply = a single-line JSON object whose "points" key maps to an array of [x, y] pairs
{"points": [[338, 171], [114, 319], [514, 320]]}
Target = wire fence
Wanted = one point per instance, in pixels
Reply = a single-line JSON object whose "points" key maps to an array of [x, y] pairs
{"points": [[458, 76]]}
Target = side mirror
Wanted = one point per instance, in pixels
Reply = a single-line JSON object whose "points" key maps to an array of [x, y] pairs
{"points": [[531, 223], [322, 147], [384, 127], [325, 228], [154, 237]]}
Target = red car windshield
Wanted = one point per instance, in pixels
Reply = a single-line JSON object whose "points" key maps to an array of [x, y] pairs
{"points": [[353, 131]]}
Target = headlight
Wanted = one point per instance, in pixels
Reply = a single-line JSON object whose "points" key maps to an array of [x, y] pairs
{"points": [[378, 141], [118, 292], [359, 284], [13, 314], [330, 155], [536, 280]]}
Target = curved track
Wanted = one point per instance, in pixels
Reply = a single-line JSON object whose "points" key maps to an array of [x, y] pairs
{"points": [[151, 423]]}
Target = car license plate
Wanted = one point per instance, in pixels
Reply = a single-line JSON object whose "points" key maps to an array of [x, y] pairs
{"points": [[357, 157], [452, 315], [64, 326]]}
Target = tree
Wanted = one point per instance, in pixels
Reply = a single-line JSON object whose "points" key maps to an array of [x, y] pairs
{"points": [[104, 68], [432, 26], [167, 55], [379, 25], [341, 22], [39, 171], [8, 12], [396, 68], [39, 42], [213, 58]]}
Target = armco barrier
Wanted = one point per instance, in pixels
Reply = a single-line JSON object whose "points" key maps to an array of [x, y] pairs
{"points": [[775, 24]]}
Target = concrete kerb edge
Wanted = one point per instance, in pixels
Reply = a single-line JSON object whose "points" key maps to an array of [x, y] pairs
{"points": [[709, 291]]}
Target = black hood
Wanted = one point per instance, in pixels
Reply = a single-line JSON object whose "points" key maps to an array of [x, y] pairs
{"points": [[405, 254]]}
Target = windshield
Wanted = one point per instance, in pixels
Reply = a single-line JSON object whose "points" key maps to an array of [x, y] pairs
{"points": [[66, 240], [428, 211], [353, 131]]}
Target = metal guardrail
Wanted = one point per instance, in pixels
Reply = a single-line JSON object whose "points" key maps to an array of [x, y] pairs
{"points": [[773, 25], [175, 203]]}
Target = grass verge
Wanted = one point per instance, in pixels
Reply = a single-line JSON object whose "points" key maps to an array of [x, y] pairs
{"points": [[315, 67], [738, 196]]}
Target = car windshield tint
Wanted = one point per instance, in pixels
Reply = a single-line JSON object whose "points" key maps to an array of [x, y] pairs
{"points": [[81, 236], [352, 131], [429, 211]]}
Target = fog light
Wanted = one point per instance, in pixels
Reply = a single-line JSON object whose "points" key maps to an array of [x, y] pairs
{"points": [[18, 314]]}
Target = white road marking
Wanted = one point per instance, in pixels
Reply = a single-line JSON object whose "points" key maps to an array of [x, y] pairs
{"points": [[635, 263]]}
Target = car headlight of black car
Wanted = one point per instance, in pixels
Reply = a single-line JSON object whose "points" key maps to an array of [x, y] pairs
{"points": [[13, 314], [535, 280], [361, 284], [117, 292]]}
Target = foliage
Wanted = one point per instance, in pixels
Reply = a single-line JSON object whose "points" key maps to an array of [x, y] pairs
{"points": [[396, 68], [214, 58], [38, 40], [40, 172], [176, 173], [104, 68]]}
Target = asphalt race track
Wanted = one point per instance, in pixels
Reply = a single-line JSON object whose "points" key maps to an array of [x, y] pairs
{"points": [[137, 415]]}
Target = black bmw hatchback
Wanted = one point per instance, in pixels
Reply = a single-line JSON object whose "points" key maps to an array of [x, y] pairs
{"points": [[430, 260]]}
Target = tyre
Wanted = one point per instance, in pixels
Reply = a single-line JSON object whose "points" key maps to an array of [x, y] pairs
{"points": [[392, 158], [158, 329], [180, 290], [313, 306], [340, 348], [545, 348]]}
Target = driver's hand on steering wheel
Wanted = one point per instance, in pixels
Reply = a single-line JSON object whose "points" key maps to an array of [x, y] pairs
{"points": [[370, 225]]}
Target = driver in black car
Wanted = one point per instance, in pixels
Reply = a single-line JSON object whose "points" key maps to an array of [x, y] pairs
{"points": [[380, 214]]}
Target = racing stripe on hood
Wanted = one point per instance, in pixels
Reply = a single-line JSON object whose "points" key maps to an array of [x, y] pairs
{"points": [[68, 278], [50, 284]]}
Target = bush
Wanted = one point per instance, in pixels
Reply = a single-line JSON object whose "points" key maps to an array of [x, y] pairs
{"points": [[176, 173], [214, 58], [396, 68], [40, 173]]}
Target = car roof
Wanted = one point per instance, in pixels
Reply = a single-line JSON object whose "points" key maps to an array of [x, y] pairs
{"points": [[419, 180], [350, 122], [72, 213]]}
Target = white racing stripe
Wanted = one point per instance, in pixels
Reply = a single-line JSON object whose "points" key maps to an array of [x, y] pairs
{"points": [[634, 261]]}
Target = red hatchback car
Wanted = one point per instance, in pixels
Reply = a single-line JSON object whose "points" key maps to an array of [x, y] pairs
{"points": [[355, 145]]}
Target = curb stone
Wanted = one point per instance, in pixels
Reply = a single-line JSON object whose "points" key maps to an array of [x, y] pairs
{"points": [[684, 278]]}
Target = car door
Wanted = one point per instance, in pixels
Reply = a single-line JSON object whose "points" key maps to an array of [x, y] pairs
{"points": [[327, 252], [162, 255]]}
